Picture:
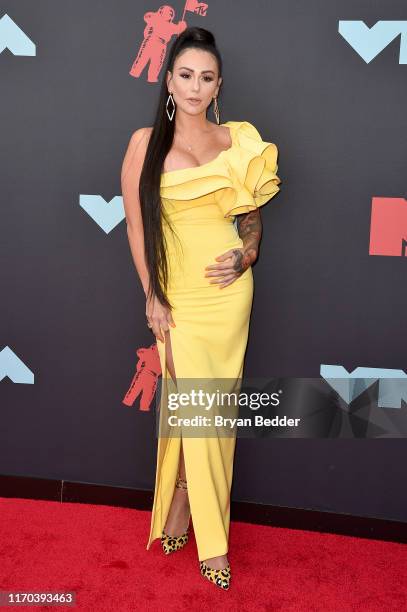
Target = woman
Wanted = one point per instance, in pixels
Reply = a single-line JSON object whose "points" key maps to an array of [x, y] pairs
{"points": [[184, 182]]}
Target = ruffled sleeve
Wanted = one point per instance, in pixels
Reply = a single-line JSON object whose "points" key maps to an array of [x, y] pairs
{"points": [[253, 172], [239, 179]]}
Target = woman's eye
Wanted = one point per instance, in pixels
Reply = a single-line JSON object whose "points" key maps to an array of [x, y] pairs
{"points": [[208, 79]]}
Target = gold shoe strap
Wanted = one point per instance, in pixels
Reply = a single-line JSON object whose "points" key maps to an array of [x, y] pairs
{"points": [[181, 483]]}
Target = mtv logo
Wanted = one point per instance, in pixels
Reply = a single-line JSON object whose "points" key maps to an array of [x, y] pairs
{"points": [[13, 38], [388, 227], [369, 42], [106, 214], [13, 367], [349, 385]]}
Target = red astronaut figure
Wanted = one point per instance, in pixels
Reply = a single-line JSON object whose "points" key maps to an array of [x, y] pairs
{"points": [[157, 33], [144, 383]]}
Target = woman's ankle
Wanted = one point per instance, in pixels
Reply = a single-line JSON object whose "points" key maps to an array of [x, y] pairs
{"points": [[179, 514]]}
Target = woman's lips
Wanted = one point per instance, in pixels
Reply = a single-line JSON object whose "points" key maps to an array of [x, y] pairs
{"points": [[194, 101]]}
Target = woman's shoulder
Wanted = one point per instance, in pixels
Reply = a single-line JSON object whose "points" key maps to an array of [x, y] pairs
{"points": [[140, 135], [136, 151], [245, 128], [249, 139]]}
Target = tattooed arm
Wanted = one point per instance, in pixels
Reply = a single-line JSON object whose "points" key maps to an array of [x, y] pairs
{"points": [[249, 227], [234, 262]]}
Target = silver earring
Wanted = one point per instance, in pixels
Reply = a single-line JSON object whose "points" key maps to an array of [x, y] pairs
{"points": [[216, 109], [170, 99]]}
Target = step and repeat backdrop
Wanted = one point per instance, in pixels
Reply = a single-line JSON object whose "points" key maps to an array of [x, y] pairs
{"points": [[80, 375]]}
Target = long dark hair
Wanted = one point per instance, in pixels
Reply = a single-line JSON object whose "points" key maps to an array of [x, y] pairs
{"points": [[158, 147]]}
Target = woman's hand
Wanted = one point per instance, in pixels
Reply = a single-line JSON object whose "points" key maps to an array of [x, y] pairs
{"points": [[159, 317], [236, 261]]}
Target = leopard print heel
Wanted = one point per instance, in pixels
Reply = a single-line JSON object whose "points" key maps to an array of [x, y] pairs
{"points": [[220, 577], [170, 543], [173, 543]]}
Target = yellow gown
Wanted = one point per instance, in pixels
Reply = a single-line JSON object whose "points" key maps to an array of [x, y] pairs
{"points": [[210, 337]]}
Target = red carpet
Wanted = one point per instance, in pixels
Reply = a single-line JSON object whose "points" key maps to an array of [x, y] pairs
{"points": [[99, 552]]}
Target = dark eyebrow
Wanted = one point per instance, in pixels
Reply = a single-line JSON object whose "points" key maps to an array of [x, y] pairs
{"points": [[186, 68]]}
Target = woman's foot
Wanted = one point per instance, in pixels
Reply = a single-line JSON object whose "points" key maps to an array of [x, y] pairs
{"points": [[217, 570], [217, 562]]}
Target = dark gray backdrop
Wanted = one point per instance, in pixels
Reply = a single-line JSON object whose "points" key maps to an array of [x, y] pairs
{"points": [[72, 305]]}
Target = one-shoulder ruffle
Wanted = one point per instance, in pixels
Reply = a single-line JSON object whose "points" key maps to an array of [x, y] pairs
{"points": [[241, 178]]}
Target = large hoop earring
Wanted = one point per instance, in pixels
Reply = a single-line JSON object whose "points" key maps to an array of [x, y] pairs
{"points": [[216, 109], [170, 114]]}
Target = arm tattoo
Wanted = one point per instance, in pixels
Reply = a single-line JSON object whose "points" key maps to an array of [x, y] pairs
{"points": [[249, 228]]}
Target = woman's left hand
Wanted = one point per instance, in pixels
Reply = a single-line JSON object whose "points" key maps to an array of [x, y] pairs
{"points": [[233, 263]]}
